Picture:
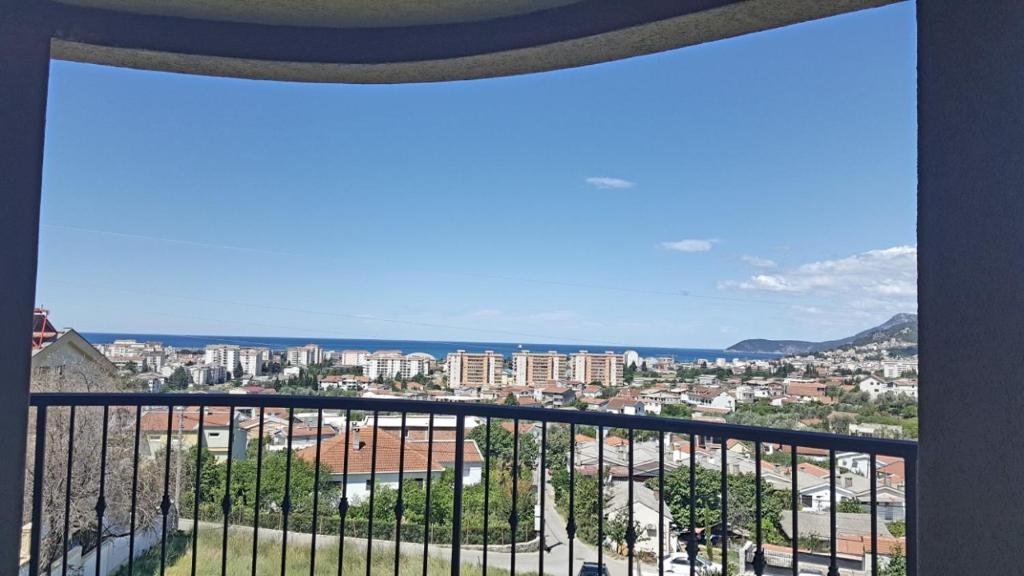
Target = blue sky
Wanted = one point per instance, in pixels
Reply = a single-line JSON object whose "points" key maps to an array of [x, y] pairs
{"points": [[762, 186]]}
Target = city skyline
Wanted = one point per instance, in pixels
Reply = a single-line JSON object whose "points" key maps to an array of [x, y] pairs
{"points": [[649, 202]]}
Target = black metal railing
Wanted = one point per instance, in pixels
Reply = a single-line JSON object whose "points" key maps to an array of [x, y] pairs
{"points": [[120, 506]]}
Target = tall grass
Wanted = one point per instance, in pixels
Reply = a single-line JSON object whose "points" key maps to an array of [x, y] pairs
{"points": [[268, 562]]}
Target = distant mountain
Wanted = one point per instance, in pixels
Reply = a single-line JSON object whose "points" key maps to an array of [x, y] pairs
{"points": [[900, 326]]}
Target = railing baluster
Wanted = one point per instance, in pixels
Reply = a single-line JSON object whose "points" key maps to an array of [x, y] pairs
{"points": [[630, 531], [661, 504], [256, 504], [460, 463], [373, 491], [691, 542], [543, 488], [197, 495], [570, 526], [513, 520], [38, 466], [286, 505], [759, 552], [343, 503], [794, 496], [101, 501], [725, 505], [426, 510], [600, 498], [135, 489], [226, 502], [170, 502], [833, 567], [487, 490], [165, 503], [316, 492], [873, 475], [399, 507]]}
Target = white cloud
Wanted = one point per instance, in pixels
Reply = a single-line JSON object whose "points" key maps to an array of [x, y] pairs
{"points": [[609, 183], [689, 245], [759, 262], [874, 279]]}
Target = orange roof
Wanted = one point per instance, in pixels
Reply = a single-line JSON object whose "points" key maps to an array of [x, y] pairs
{"points": [[813, 470], [311, 431], [187, 420], [388, 453], [895, 469]]}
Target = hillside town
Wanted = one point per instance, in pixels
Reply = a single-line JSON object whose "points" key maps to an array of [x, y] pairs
{"points": [[862, 390]]}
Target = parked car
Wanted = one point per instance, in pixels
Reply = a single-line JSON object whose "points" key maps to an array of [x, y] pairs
{"points": [[679, 563], [593, 569]]}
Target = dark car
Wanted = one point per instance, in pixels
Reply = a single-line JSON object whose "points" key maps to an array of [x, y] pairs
{"points": [[593, 569]]}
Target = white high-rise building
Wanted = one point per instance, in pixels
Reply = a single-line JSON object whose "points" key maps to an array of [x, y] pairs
{"points": [[206, 374], [631, 358], [391, 364], [474, 368], [307, 355], [252, 360], [530, 368], [224, 355]]}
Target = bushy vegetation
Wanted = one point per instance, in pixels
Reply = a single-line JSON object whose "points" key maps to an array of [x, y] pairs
{"points": [[272, 493]]}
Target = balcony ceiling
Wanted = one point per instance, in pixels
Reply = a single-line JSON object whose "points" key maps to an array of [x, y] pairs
{"points": [[330, 13], [390, 41]]}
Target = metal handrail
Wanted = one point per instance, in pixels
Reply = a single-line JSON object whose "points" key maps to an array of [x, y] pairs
{"points": [[839, 443], [601, 421]]}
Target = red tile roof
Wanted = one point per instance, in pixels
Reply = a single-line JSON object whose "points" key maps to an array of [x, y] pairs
{"points": [[388, 452]]}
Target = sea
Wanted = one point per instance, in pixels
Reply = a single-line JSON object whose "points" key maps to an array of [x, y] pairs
{"points": [[437, 348]]}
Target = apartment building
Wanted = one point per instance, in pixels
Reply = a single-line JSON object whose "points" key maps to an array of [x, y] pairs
{"points": [[307, 355], [147, 356], [225, 355], [352, 357], [390, 364], [252, 360], [531, 368], [605, 369], [206, 374], [474, 368]]}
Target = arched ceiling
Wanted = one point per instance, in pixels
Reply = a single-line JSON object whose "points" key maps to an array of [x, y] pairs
{"points": [[330, 13], [390, 41]]}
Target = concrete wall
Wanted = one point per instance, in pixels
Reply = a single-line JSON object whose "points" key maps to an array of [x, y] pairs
{"points": [[24, 68], [971, 285]]}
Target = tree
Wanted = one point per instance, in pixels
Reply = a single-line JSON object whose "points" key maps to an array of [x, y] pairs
{"points": [[511, 400], [179, 379], [89, 425], [676, 410], [132, 367], [502, 442], [897, 565], [617, 529], [707, 500], [847, 505], [238, 372]]}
